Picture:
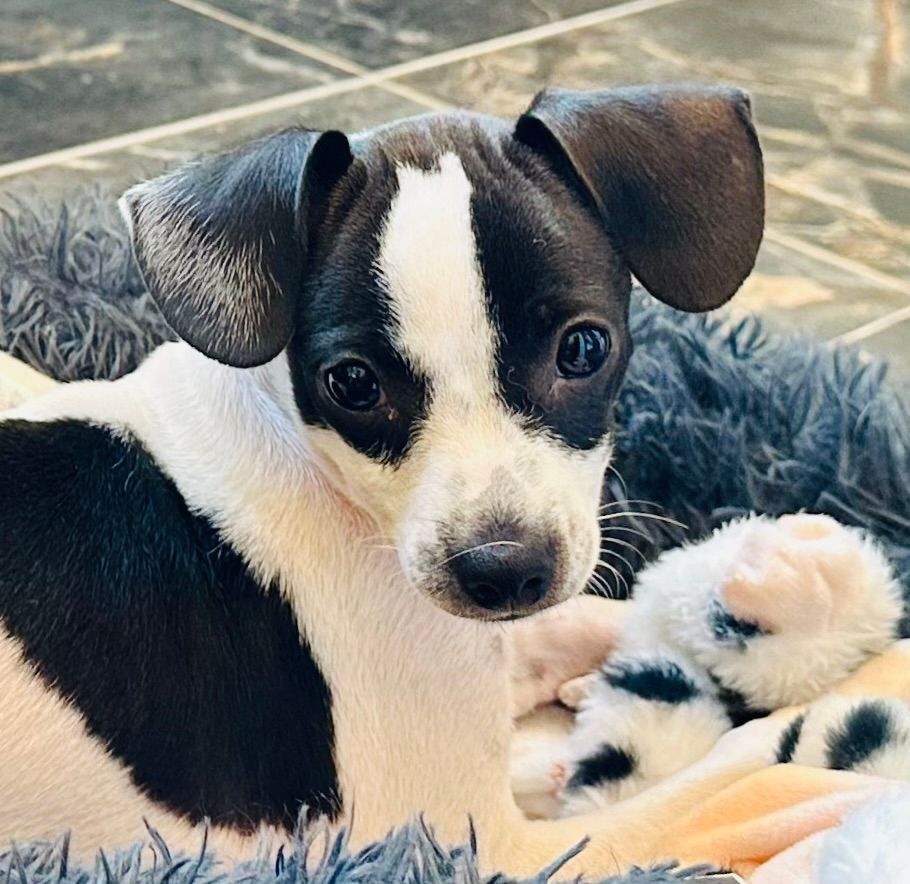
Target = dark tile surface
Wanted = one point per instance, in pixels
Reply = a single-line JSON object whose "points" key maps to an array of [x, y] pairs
{"points": [[381, 32], [113, 172], [831, 87], [72, 72], [830, 79], [800, 294]]}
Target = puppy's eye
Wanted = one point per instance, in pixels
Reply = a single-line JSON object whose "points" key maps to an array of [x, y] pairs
{"points": [[582, 351], [353, 385]]}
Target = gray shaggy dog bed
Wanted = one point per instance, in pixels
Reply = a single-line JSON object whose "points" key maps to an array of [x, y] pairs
{"points": [[715, 419]]}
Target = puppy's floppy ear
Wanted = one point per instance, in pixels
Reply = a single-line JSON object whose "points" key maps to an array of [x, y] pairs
{"points": [[675, 173], [222, 242]]}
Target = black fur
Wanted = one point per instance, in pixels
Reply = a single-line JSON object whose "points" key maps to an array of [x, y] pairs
{"points": [[607, 765], [789, 738], [729, 629], [191, 673], [735, 703], [660, 680], [674, 172], [866, 729]]}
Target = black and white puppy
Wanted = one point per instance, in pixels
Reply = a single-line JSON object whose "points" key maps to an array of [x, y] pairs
{"points": [[263, 571]]}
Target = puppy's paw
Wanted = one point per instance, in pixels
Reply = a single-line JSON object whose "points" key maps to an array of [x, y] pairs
{"points": [[800, 588], [536, 769], [866, 735], [644, 718], [573, 693], [558, 645]]}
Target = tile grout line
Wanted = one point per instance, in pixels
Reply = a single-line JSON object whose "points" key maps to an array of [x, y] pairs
{"points": [[314, 52], [868, 329], [377, 77], [306, 50], [870, 274], [363, 77]]}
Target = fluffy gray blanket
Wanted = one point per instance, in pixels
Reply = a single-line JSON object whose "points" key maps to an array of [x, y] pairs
{"points": [[715, 419]]}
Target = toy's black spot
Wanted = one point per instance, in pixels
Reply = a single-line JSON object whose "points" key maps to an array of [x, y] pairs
{"points": [[607, 765], [658, 679], [735, 703], [789, 738], [729, 629], [866, 729]]}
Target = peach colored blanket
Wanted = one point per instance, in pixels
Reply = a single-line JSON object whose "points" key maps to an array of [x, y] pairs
{"points": [[771, 826]]}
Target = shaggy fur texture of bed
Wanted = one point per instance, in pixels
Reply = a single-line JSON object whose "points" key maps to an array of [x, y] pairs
{"points": [[715, 419], [410, 855]]}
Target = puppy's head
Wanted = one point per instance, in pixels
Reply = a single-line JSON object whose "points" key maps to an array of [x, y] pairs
{"points": [[452, 294]]}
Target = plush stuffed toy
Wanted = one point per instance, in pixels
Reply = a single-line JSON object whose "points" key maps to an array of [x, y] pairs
{"points": [[761, 615]]}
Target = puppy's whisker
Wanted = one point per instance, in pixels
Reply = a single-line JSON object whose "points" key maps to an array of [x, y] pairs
{"points": [[479, 546], [616, 555], [641, 501], [600, 584], [622, 482], [627, 530], [628, 545], [636, 515], [615, 572]]}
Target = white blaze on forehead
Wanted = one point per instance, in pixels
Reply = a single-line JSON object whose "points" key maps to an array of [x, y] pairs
{"points": [[429, 264]]}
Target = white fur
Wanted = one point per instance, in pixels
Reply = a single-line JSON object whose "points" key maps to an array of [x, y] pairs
{"points": [[840, 585], [826, 717], [871, 844], [663, 738]]}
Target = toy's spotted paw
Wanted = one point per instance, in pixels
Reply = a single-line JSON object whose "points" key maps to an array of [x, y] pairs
{"points": [[870, 736], [802, 587], [643, 718]]}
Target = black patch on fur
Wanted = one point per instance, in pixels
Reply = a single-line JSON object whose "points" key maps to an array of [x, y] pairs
{"points": [[608, 765], [135, 610], [867, 728], [547, 265], [660, 680], [346, 314], [789, 738], [735, 703], [730, 629]]}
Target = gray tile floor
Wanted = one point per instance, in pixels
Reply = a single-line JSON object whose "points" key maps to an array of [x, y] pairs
{"points": [[108, 91]]}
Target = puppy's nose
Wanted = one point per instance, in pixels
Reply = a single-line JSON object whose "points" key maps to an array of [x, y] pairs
{"points": [[504, 574]]}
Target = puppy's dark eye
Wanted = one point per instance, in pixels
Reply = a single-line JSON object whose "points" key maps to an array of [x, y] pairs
{"points": [[353, 385], [582, 351]]}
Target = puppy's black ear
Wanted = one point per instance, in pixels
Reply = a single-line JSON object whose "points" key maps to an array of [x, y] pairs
{"points": [[222, 242], [674, 172]]}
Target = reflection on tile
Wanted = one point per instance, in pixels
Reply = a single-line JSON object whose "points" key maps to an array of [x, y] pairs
{"points": [[797, 293], [113, 172], [894, 345], [381, 32], [80, 70], [831, 87]]}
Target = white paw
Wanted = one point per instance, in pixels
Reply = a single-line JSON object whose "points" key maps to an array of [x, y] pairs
{"points": [[644, 718], [862, 734], [761, 594]]}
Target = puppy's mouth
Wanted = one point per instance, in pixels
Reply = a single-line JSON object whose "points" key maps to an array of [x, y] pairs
{"points": [[454, 602]]}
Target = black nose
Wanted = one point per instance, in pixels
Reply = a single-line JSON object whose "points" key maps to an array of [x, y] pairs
{"points": [[504, 574]]}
